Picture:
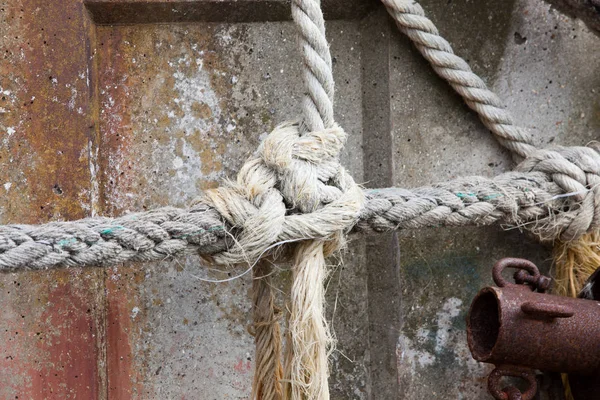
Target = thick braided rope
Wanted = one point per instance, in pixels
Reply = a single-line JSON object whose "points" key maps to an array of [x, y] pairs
{"points": [[555, 193], [147, 236], [561, 204], [310, 340], [411, 20], [289, 174]]}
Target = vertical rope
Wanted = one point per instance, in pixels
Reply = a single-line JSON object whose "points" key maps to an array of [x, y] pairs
{"points": [[574, 262], [317, 105], [309, 336], [267, 337], [310, 340]]}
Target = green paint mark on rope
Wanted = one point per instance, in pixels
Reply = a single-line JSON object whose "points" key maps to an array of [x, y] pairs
{"points": [[65, 242], [110, 230], [493, 196]]}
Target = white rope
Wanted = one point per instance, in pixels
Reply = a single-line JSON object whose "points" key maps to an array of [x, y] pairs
{"points": [[411, 20]]}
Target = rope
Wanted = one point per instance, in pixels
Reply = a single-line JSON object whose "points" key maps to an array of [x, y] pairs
{"points": [[411, 20], [543, 199], [310, 341], [317, 107], [295, 190], [554, 193], [147, 236], [268, 371]]}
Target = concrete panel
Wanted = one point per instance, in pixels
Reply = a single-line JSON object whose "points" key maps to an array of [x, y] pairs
{"points": [[181, 107], [161, 11], [51, 339], [541, 63]]}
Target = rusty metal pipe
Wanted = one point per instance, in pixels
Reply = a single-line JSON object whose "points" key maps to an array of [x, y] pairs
{"points": [[514, 325], [519, 329]]}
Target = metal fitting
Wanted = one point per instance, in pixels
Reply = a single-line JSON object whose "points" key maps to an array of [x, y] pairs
{"points": [[518, 328]]}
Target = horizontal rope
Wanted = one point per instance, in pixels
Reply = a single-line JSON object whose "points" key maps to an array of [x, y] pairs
{"points": [[147, 236], [529, 199]]}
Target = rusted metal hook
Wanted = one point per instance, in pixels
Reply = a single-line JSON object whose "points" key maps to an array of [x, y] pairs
{"points": [[511, 392], [527, 272]]}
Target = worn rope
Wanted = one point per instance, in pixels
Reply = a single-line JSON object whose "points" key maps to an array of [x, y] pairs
{"points": [[306, 368], [533, 199], [309, 340], [295, 190], [268, 371], [101, 241], [411, 20]]}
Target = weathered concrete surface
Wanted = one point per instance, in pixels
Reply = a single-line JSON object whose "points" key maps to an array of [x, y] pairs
{"points": [[51, 335], [587, 10], [546, 67], [115, 118], [162, 11], [181, 108]]}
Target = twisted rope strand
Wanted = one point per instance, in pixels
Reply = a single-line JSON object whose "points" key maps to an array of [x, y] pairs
{"points": [[530, 199], [306, 368], [147, 236], [318, 76], [307, 363], [411, 20], [268, 371]]}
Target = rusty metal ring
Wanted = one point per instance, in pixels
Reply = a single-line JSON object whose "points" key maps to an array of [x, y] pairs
{"points": [[517, 263], [507, 393]]}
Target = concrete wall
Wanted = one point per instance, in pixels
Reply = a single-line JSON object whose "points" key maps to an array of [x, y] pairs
{"points": [[113, 107]]}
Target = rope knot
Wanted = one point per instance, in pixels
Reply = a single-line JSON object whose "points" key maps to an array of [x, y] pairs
{"points": [[576, 171], [293, 189]]}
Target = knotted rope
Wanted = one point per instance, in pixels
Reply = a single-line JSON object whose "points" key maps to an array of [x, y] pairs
{"points": [[298, 167], [301, 172], [295, 190], [531, 199]]}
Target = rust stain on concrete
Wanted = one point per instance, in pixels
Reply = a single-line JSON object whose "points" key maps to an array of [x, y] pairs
{"points": [[53, 348], [124, 369], [50, 346], [175, 117], [45, 95], [169, 117], [71, 322]]}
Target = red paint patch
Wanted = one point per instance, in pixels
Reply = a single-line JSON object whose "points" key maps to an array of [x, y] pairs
{"points": [[243, 367], [64, 363], [71, 369], [123, 374]]}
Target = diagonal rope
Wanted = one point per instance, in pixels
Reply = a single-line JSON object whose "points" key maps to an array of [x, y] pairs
{"points": [[411, 20]]}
